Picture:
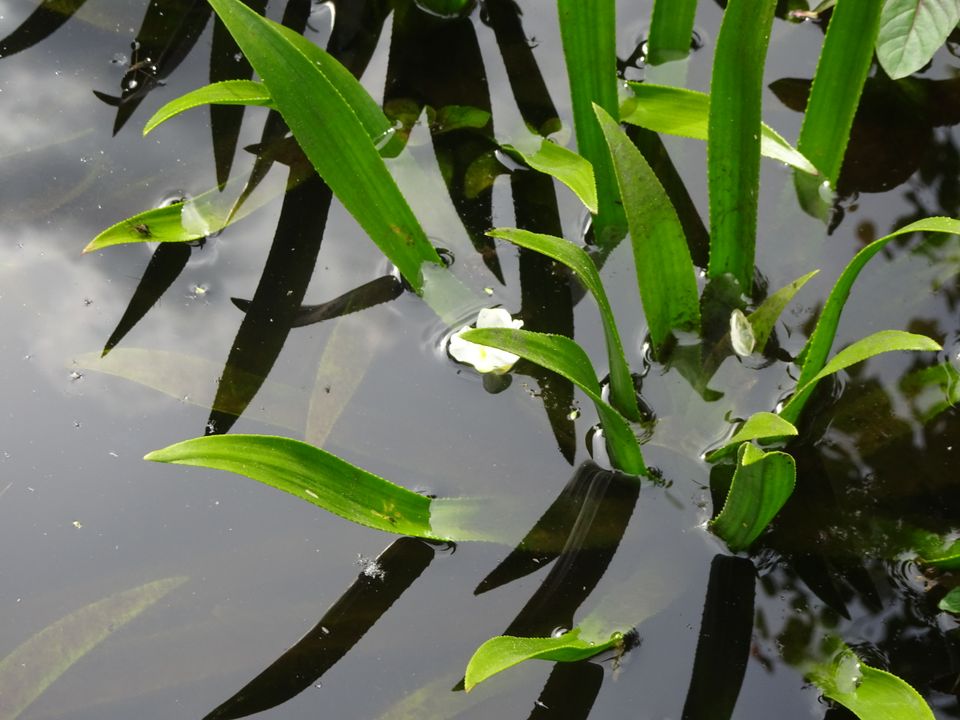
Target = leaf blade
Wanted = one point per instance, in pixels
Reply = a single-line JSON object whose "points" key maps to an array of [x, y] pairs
{"points": [[227, 92], [573, 170], [911, 31]]}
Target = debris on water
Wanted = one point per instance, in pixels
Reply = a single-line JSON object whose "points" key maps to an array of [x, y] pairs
{"points": [[87, 302], [573, 414], [76, 375], [324, 629], [370, 568], [488, 290], [77, 524], [198, 291]]}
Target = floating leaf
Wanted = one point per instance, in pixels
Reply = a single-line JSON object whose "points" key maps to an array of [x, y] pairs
{"points": [[685, 113], [759, 426], [501, 653], [733, 145], [31, 668], [573, 170], [623, 395], [868, 693], [228, 92], [665, 271], [950, 602], [761, 485], [911, 31], [564, 357], [763, 319]]}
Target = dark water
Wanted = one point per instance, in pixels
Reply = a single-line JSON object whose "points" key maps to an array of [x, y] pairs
{"points": [[82, 516]]}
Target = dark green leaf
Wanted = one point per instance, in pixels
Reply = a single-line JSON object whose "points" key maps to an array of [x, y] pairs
{"points": [[733, 146], [911, 31], [761, 485], [568, 167], [622, 392], [228, 92], [759, 426], [564, 357], [501, 653], [671, 30], [665, 271], [682, 112], [32, 667]]}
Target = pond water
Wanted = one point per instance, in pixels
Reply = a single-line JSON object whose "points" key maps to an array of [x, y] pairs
{"points": [[107, 356]]}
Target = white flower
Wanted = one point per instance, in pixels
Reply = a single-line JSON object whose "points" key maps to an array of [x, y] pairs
{"points": [[485, 359]]}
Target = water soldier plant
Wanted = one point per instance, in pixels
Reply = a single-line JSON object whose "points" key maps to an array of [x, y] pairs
{"points": [[345, 136]]}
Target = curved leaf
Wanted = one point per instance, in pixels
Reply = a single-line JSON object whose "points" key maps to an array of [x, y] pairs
{"points": [[503, 652], [761, 485], [759, 426], [228, 92], [564, 357], [911, 31], [950, 602], [665, 271], [573, 170], [685, 113], [623, 395], [765, 317]]}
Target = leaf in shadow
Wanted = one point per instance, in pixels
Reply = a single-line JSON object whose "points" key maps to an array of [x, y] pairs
{"points": [[340, 628], [570, 692], [381, 290], [32, 667], [276, 302], [39, 25], [165, 266], [723, 647]]}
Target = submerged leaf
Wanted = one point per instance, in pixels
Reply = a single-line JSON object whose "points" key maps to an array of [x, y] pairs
{"points": [[911, 31], [761, 485], [31, 668], [573, 170], [501, 653]]}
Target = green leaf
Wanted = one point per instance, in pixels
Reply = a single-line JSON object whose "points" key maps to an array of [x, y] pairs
{"points": [[623, 395], [501, 653], [911, 31], [765, 317], [759, 426], [733, 145], [671, 30], [568, 167], [761, 485], [951, 602], [310, 474], [228, 92], [682, 112], [879, 342], [868, 693], [332, 134], [841, 71], [588, 32], [564, 357], [32, 667], [665, 272]]}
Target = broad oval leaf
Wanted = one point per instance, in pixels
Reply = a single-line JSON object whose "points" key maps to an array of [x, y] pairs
{"points": [[911, 31], [665, 271], [685, 113], [564, 357], [331, 134], [759, 426], [761, 485], [310, 474], [573, 170], [228, 92], [867, 692], [33, 666], [505, 651], [622, 392]]}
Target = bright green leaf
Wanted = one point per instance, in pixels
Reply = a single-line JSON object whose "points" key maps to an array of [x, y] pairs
{"points": [[867, 692], [331, 133], [761, 485], [568, 167], [879, 342], [911, 31], [759, 426], [564, 357], [665, 272], [733, 145], [228, 92], [951, 602], [671, 30], [33, 666], [623, 395], [685, 113], [765, 317], [501, 653]]}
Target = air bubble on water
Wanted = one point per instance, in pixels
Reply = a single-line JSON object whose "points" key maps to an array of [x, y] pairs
{"points": [[324, 629], [238, 56], [825, 192], [559, 631], [130, 84], [369, 567]]}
